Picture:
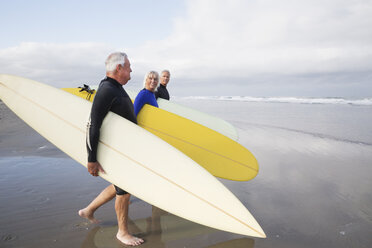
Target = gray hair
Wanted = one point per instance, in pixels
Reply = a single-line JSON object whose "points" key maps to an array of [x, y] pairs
{"points": [[148, 75], [165, 71], [114, 59]]}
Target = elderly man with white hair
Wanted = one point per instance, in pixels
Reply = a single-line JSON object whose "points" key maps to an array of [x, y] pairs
{"points": [[110, 96]]}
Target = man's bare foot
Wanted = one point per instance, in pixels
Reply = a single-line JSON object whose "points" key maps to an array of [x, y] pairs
{"points": [[85, 213], [128, 239]]}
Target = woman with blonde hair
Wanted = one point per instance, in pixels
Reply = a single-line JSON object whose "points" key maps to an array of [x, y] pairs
{"points": [[146, 95]]}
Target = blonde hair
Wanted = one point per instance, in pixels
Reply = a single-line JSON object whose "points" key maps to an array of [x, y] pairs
{"points": [[148, 75]]}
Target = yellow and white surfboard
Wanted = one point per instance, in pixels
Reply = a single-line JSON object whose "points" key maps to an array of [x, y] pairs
{"points": [[220, 155]]}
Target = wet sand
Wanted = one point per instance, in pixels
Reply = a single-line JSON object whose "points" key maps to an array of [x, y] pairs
{"points": [[313, 188]]}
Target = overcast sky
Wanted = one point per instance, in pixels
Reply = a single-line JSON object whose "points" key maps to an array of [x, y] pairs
{"points": [[212, 47]]}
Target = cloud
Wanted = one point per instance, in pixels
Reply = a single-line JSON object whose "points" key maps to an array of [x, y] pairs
{"points": [[57, 64], [258, 47], [237, 38]]}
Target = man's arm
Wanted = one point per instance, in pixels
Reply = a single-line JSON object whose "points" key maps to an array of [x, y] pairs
{"points": [[100, 108]]}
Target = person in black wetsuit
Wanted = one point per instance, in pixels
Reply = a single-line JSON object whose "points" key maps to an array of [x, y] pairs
{"points": [[162, 91], [110, 96]]}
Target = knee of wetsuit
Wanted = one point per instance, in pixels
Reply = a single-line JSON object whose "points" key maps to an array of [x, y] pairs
{"points": [[120, 191]]}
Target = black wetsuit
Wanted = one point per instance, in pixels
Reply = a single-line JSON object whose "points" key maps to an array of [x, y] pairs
{"points": [[110, 96], [162, 92]]}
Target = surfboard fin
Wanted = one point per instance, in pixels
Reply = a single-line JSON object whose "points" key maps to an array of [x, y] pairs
{"points": [[87, 89]]}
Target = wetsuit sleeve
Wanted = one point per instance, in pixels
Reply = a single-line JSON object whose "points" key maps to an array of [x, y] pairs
{"points": [[100, 108], [152, 101], [142, 98], [139, 102]]}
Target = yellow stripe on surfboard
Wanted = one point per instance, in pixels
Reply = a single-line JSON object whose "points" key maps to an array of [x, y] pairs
{"points": [[220, 155]]}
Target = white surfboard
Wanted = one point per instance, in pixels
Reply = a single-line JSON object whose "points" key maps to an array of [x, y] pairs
{"points": [[133, 158], [212, 122]]}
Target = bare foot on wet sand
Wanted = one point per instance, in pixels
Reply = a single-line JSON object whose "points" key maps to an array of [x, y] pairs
{"points": [[128, 239], [85, 213]]}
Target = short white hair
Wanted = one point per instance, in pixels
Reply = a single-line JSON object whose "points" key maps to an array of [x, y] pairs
{"points": [[148, 75], [167, 71], [114, 59]]}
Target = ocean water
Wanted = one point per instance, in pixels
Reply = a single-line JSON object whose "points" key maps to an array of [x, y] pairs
{"points": [[342, 119], [314, 185], [313, 188]]}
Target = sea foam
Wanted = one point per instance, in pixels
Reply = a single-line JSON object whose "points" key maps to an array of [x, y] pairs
{"points": [[301, 100]]}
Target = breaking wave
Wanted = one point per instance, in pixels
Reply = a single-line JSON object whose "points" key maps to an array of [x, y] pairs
{"points": [[301, 100]]}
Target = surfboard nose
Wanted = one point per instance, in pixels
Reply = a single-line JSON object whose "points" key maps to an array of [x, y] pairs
{"points": [[249, 227]]}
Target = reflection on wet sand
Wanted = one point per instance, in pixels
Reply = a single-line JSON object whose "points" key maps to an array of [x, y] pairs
{"points": [[313, 188], [165, 230]]}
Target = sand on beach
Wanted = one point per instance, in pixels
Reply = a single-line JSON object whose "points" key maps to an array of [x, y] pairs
{"points": [[313, 188]]}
